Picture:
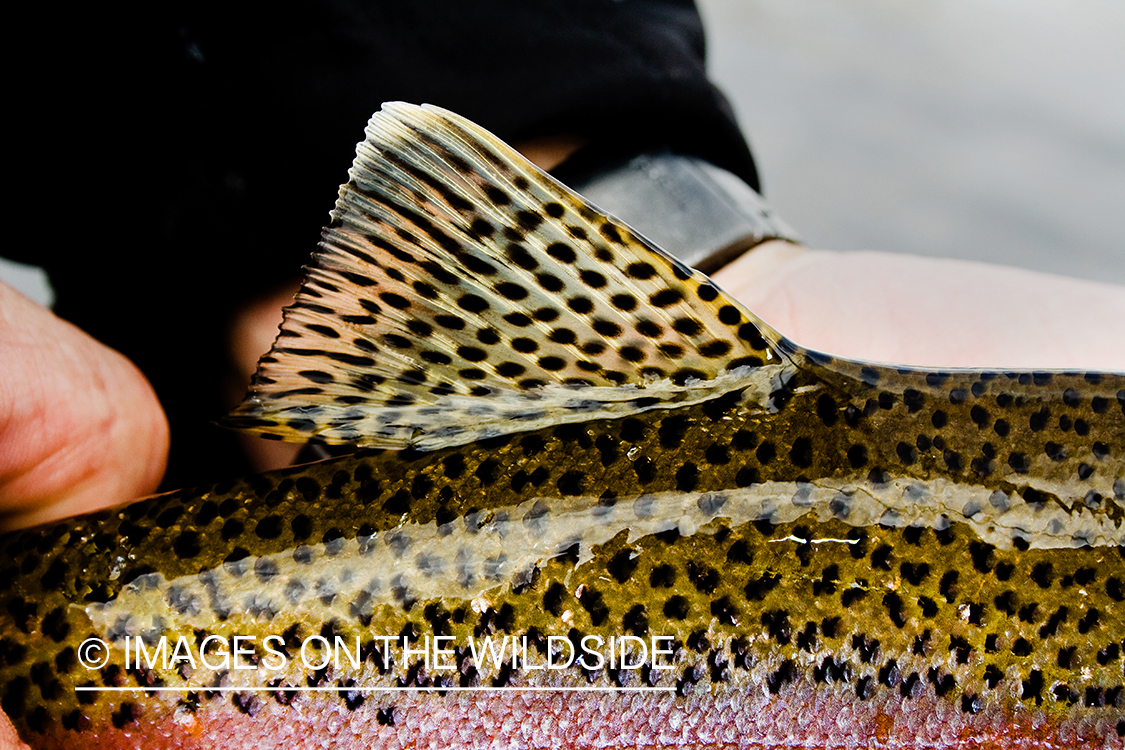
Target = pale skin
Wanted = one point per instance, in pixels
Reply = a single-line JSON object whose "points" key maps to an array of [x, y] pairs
{"points": [[81, 429], [939, 312]]}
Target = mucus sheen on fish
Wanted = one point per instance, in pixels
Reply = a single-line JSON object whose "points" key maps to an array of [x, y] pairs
{"points": [[593, 501]]}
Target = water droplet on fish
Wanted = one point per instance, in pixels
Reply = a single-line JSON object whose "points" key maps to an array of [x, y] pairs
{"points": [[183, 716], [118, 566]]}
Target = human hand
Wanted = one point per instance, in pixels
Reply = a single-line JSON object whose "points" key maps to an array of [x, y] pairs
{"points": [[939, 312], [9, 740], [80, 427]]}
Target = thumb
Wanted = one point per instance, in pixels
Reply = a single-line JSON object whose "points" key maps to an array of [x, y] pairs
{"points": [[80, 427]]}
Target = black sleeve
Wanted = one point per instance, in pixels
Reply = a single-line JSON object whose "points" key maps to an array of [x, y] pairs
{"points": [[187, 154]]}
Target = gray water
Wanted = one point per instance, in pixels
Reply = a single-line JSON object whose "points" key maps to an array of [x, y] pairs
{"points": [[983, 129]]}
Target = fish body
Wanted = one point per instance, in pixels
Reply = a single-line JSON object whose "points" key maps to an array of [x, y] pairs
{"points": [[595, 503]]}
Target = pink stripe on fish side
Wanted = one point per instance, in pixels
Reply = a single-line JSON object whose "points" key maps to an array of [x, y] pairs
{"points": [[798, 717]]}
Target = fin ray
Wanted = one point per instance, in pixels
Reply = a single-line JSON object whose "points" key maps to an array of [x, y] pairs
{"points": [[460, 292]]}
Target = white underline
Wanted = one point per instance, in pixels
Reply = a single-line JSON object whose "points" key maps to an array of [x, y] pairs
{"points": [[357, 689]]}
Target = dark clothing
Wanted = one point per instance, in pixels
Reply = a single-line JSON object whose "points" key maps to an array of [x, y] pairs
{"points": [[190, 154]]}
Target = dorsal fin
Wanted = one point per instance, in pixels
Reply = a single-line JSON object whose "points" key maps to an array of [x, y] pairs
{"points": [[460, 292]]}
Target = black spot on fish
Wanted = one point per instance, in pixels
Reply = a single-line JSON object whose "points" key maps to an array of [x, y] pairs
{"points": [[1032, 688], [187, 544], [1051, 627], [913, 400], [126, 713], [981, 554], [636, 620], [622, 565], [777, 625], [705, 578], [1089, 621], [801, 452], [676, 608], [593, 602], [915, 573], [893, 602], [687, 477], [269, 527], [56, 574], [554, 598], [784, 674], [881, 557], [948, 585], [55, 625], [757, 588]]}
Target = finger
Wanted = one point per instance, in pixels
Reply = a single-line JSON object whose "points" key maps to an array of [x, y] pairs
{"points": [[930, 311], [9, 740], [80, 427]]}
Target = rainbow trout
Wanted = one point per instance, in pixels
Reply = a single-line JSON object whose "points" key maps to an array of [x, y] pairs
{"points": [[594, 502]]}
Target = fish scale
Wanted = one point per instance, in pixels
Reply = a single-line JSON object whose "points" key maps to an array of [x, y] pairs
{"points": [[838, 553]]}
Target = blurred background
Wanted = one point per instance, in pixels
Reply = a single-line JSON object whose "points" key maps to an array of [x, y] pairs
{"points": [[991, 130]]}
